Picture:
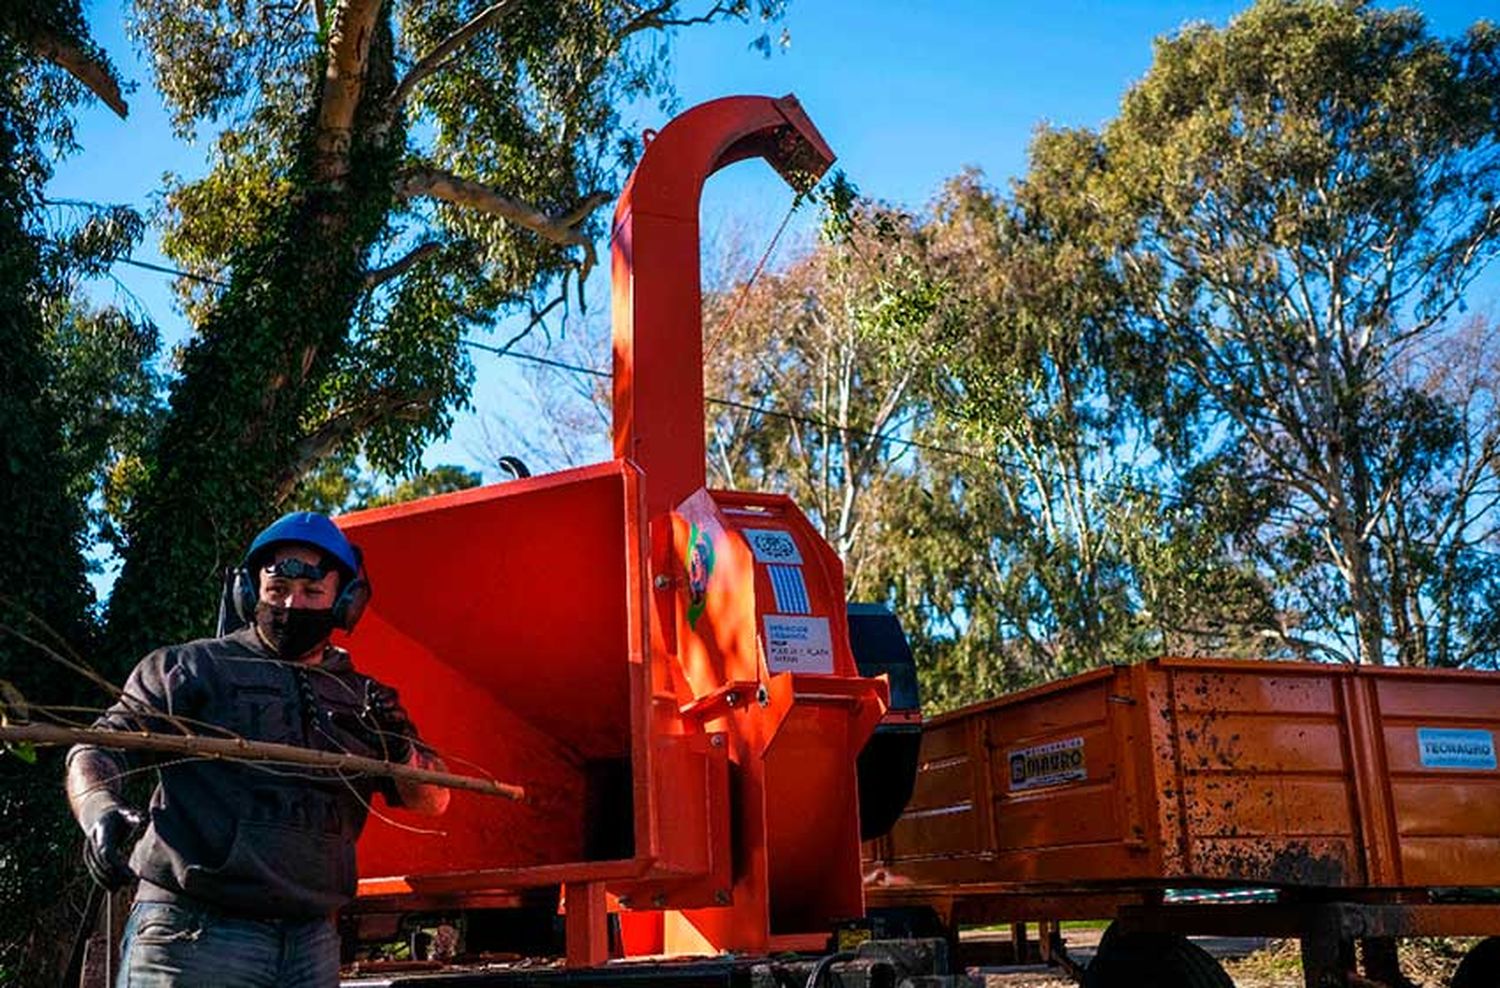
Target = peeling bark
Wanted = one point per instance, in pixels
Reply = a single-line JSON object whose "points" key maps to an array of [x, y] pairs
{"points": [[435, 183], [343, 85]]}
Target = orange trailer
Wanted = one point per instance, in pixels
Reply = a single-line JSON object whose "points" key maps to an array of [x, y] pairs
{"points": [[1367, 798]]}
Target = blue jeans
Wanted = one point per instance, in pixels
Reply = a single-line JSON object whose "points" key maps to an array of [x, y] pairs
{"points": [[168, 945]]}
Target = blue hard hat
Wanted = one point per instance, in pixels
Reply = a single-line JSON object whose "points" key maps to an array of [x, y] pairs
{"points": [[306, 528]]}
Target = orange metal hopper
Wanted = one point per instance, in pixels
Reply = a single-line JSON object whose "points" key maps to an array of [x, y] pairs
{"points": [[665, 668]]}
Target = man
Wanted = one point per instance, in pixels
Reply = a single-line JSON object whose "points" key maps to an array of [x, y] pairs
{"points": [[242, 865]]}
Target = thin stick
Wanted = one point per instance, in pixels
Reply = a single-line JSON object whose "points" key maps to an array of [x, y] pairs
{"points": [[256, 751]]}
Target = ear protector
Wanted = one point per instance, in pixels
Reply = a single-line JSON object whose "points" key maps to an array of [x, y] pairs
{"points": [[353, 596]]}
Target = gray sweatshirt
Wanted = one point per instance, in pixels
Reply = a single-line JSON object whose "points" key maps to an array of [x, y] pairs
{"points": [[248, 839]]}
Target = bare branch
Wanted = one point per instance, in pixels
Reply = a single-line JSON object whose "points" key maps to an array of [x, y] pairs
{"points": [[253, 751], [654, 18], [82, 66], [447, 187], [396, 269], [437, 57], [339, 427]]}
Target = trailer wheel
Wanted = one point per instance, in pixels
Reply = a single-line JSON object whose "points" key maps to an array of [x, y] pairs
{"points": [[1162, 960], [1480, 967]]}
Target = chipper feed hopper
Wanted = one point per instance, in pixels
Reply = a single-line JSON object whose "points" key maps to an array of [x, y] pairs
{"points": [[665, 668]]}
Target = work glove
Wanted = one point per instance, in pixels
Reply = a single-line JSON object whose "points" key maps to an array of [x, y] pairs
{"points": [[106, 847], [394, 731]]}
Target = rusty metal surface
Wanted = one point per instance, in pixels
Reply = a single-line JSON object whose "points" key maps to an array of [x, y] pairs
{"points": [[1340, 920], [1210, 771]]}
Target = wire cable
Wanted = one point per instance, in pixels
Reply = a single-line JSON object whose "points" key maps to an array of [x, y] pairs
{"points": [[1112, 486]]}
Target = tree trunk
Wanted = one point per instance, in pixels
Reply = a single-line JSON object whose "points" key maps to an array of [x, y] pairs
{"points": [[248, 383]]}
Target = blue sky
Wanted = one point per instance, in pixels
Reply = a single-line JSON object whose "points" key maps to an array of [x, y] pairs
{"points": [[907, 94]]}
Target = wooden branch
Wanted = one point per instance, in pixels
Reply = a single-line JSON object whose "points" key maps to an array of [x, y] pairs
{"points": [[396, 269], [80, 65], [343, 85], [343, 424], [435, 183], [252, 751], [654, 18], [437, 57]]}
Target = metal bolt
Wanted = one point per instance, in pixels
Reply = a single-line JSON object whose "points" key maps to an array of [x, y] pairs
{"points": [[717, 741], [763, 695], [731, 698], [659, 900], [663, 581], [721, 897]]}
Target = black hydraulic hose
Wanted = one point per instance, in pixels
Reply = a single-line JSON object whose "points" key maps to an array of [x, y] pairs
{"points": [[824, 963]]}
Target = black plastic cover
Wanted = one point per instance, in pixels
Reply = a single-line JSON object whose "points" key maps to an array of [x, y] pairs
{"points": [[887, 766]]}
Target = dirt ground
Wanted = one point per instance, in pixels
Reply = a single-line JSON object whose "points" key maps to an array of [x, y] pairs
{"points": [[1250, 963]]}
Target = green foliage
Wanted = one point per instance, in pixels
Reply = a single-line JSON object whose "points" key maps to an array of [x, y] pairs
{"points": [[339, 486], [43, 593], [363, 230], [1296, 205]]}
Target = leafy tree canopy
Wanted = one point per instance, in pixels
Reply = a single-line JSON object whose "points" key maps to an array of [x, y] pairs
{"points": [[387, 178], [1294, 207]]}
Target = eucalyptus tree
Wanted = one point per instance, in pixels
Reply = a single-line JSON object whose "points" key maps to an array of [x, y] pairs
{"points": [[1298, 203], [817, 374], [1078, 551], [387, 176]]}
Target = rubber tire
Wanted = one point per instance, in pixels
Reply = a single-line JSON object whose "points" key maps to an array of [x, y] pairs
{"points": [[1480, 967], [1152, 960]]}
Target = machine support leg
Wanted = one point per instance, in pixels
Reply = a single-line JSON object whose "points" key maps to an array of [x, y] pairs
{"points": [[1055, 951], [1381, 964], [586, 926], [1327, 957], [1046, 939], [1018, 945]]}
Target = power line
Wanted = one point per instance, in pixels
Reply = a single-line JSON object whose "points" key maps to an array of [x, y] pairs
{"points": [[533, 358], [173, 271], [1119, 488], [1169, 499]]}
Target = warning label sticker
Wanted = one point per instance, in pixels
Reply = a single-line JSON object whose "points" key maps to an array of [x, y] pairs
{"points": [[1047, 764], [798, 644], [1442, 747]]}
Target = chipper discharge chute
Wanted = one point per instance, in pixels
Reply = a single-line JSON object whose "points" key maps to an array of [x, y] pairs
{"points": [[667, 669]]}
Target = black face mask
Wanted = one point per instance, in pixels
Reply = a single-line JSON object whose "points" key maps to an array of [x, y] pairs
{"points": [[292, 632]]}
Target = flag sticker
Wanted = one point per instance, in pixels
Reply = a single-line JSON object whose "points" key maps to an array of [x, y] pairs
{"points": [[791, 592]]}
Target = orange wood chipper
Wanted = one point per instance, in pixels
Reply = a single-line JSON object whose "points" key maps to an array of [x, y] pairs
{"points": [[667, 669]]}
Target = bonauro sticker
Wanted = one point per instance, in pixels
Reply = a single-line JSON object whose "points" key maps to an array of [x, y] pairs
{"points": [[1047, 764]]}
